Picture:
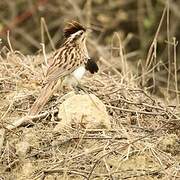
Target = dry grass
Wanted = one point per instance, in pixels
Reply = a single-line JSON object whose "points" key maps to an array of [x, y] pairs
{"points": [[143, 142], [134, 22]]}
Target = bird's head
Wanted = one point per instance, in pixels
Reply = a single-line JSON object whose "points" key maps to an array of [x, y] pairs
{"points": [[75, 31]]}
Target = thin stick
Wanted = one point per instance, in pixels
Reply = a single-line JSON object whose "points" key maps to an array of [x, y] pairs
{"points": [[150, 52], [175, 43], [44, 54], [2, 133], [135, 111], [28, 119], [48, 34], [42, 31], [124, 64], [9, 42], [135, 103], [62, 171], [168, 46]]}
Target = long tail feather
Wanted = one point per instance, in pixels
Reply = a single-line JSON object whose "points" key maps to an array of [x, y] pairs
{"points": [[44, 96]]}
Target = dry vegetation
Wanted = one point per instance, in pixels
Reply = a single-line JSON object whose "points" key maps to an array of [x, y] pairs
{"points": [[141, 96]]}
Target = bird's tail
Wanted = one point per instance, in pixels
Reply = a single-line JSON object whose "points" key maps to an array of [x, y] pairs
{"points": [[44, 96]]}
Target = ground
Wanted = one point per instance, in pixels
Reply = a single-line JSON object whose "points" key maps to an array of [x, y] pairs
{"points": [[142, 143]]}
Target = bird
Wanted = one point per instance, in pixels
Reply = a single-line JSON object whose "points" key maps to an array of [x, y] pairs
{"points": [[68, 64]]}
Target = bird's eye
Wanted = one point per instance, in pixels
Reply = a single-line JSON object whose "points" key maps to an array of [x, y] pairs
{"points": [[81, 33]]}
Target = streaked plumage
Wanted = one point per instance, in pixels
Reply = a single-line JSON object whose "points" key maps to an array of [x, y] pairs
{"points": [[71, 59]]}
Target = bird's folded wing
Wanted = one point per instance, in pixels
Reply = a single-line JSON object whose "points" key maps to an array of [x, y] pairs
{"points": [[58, 70]]}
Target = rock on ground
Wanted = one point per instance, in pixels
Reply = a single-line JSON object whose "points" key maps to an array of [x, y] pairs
{"points": [[86, 111]]}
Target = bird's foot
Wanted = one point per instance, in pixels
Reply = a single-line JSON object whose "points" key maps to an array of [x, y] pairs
{"points": [[78, 89]]}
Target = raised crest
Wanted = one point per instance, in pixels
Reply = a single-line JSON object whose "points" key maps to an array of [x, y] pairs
{"points": [[72, 27]]}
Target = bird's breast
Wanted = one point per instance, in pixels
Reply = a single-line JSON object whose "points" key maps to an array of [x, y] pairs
{"points": [[79, 72]]}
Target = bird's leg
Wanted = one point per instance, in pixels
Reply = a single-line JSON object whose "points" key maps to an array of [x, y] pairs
{"points": [[78, 88]]}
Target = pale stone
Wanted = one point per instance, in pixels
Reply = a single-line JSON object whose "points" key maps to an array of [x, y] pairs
{"points": [[2, 133], [85, 111], [22, 148]]}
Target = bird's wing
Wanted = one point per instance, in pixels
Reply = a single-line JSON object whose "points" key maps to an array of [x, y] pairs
{"points": [[59, 67]]}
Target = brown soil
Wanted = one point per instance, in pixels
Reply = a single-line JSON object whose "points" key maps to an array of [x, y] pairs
{"points": [[143, 142]]}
